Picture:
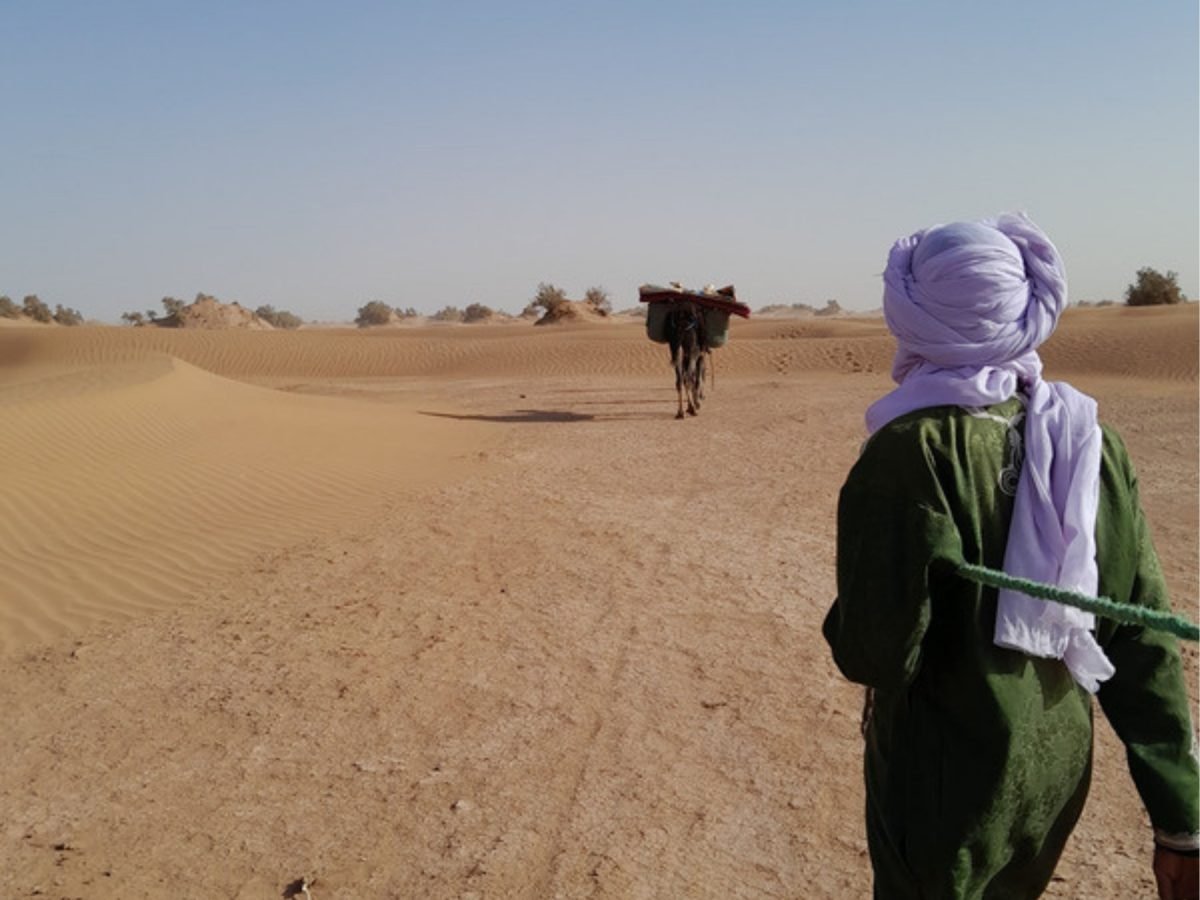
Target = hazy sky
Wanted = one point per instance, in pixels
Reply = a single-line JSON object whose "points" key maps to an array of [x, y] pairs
{"points": [[318, 155]]}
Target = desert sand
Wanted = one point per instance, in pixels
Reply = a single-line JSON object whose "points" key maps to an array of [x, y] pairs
{"points": [[464, 612]]}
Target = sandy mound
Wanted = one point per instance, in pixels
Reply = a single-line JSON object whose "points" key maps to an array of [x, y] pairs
{"points": [[209, 312], [486, 316], [128, 486], [572, 311], [25, 322], [1159, 342]]}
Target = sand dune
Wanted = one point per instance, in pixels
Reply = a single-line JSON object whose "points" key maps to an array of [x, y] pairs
{"points": [[1154, 343], [139, 462], [129, 485], [463, 612]]}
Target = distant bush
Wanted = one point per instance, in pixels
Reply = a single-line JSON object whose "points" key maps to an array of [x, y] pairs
{"points": [[375, 312], [8, 309], [786, 307], [174, 306], [831, 308], [133, 318], [280, 318], [64, 315], [549, 297], [406, 313], [448, 314], [597, 298], [36, 309], [1152, 288], [477, 312]]}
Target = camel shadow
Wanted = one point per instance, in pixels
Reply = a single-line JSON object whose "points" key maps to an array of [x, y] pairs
{"points": [[517, 415], [540, 416]]}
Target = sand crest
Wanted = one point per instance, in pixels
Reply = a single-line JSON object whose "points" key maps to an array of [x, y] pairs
{"points": [[130, 485]]}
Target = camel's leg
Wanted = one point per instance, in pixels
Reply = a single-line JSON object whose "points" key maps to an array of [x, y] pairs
{"points": [[690, 372], [679, 391]]}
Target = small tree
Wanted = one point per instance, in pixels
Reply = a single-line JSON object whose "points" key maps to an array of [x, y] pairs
{"points": [[549, 297], [376, 312], [448, 314], [279, 318], [173, 306], [64, 315], [476, 312], [597, 298], [8, 309], [36, 309], [133, 318], [1152, 288]]}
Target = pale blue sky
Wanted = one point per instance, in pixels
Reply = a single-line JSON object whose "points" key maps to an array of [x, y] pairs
{"points": [[317, 155]]}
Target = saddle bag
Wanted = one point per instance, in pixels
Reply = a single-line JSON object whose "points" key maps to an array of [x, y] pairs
{"points": [[656, 321], [716, 327], [716, 324]]}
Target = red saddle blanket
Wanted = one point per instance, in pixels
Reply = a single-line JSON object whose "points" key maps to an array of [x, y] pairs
{"points": [[722, 299]]}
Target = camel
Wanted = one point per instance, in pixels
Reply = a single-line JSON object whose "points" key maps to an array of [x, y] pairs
{"points": [[690, 353]]}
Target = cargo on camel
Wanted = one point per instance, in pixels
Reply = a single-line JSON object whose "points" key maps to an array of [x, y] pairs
{"points": [[718, 304]]}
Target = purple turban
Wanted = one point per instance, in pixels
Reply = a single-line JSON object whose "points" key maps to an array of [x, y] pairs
{"points": [[969, 304]]}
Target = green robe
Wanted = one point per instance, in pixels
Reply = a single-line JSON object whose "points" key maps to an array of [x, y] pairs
{"points": [[977, 758]]}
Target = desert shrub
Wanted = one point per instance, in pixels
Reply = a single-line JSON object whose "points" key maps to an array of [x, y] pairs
{"points": [[1152, 288], [476, 312], [174, 306], [831, 308], [64, 315], [597, 298], [133, 318], [549, 297], [407, 313], [8, 309], [786, 308], [448, 314], [376, 312], [280, 318], [36, 309]]}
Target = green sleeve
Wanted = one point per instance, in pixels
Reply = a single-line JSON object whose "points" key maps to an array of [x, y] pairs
{"points": [[1147, 700], [893, 529]]}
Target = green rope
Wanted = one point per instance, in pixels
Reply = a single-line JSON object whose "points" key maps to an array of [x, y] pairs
{"points": [[1125, 613]]}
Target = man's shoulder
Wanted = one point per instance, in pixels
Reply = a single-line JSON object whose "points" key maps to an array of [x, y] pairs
{"points": [[943, 425]]}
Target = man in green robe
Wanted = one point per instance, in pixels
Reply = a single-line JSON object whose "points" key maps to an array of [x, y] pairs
{"points": [[979, 743]]}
